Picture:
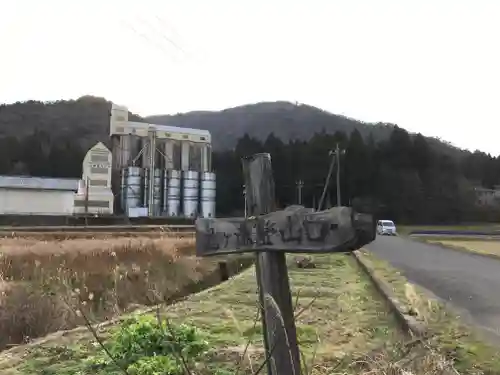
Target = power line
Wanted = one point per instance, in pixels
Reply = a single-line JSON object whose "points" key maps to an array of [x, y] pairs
{"points": [[164, 36], [159, 46], [171, 41]]}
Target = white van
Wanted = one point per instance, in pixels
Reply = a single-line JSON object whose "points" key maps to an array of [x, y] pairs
{"points": [[386, 227]]}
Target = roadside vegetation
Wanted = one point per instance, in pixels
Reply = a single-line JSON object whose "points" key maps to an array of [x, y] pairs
{"points": [[464, 348]]}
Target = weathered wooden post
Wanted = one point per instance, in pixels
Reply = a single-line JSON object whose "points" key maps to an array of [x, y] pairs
{"points": [[271, 234], [280, 335]]}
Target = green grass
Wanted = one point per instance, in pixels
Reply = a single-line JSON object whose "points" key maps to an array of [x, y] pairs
{"points": [[449, 335], [346, 319]]}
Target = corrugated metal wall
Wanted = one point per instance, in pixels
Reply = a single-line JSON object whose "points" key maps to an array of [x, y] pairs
{"points": [[36, 202]]}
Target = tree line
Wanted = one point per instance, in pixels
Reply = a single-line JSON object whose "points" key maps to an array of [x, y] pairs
{"points": [[402, 177]]}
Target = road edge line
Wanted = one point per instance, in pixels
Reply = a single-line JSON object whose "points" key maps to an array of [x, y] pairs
{"points": [[408, 322]]}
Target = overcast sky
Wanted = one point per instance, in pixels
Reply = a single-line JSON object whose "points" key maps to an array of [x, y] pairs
{"points": [[431, 66]]}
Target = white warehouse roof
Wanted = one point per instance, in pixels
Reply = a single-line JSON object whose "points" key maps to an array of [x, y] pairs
{"points": [[169, 128], [38, 183]]}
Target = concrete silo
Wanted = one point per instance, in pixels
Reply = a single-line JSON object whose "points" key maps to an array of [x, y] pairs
{"points": [[174, 161]]}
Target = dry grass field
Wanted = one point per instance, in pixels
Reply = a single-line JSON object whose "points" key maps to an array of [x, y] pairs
{"points": [[69, 235], [43, 283], [406, 229], [487, 247]]}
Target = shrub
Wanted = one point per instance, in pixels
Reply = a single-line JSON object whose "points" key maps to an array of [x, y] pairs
{"points": [[146, 346]]}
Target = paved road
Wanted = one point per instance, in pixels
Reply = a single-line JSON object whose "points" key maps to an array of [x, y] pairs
{"points": [[469, 282]]}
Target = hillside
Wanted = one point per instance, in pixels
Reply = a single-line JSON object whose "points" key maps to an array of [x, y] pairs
{"points": [[286, 120], [86, 120]]}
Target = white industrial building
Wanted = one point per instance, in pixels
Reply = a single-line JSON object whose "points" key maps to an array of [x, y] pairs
{"points": [[21, 195], [94, 193], [161, 170], [26, 195]]}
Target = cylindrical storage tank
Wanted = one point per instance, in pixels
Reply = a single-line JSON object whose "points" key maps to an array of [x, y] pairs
{"points": [[132, 187], [207, 194], [173, 192], [190, 193], [157, 183]]}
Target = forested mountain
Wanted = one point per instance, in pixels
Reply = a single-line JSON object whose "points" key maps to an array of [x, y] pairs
{"points": [[86, 119], [410, 178], [285, 120]]}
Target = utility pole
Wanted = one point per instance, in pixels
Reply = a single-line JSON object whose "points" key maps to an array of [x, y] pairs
{"points": [[335, 154], [327, 182], [300, 186]]}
